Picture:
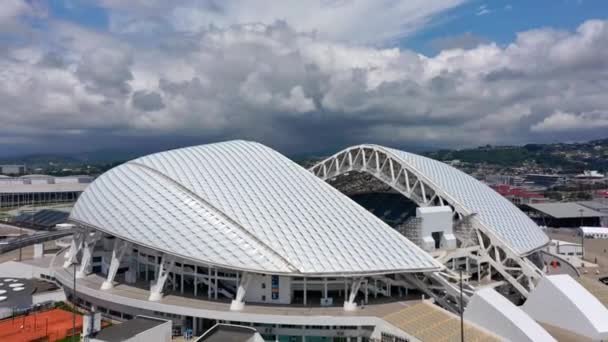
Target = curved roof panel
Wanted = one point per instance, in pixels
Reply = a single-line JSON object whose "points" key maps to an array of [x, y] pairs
{"points": [[493, 210], [243, 205]]}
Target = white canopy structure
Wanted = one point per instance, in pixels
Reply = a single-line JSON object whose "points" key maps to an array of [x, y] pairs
{"points": [[430, 182], [493, 210], [244, 206], [595, 232]]}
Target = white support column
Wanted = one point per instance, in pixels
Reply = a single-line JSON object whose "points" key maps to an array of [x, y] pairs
{"points": [[325, 288], [133, 271], [38, 250], [489, 276], [366, 291], [156, 289], [120, 248], [85, 263], [238, 303], [376, 288], [75, 247], [349, 304]]}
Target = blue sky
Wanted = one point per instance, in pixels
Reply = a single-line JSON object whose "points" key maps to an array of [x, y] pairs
{"points": [[300, 76], [497, 21], [505, 18], [87, 13]]}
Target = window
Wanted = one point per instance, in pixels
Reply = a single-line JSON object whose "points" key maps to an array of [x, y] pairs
{"points": [[263, 298], [263, 285]]}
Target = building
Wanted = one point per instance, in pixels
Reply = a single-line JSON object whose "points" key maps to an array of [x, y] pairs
{"points": [[138, 329], [230, 332], [503, 180], [564, 214], [546, 180], [13, 170], [519, 196], [590, 175], [600, 205], [41, 189], [595, 232], [565, 248], [236, 233]]}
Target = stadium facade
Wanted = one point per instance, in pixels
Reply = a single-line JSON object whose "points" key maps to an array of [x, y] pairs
{"points": [[235, 232]]}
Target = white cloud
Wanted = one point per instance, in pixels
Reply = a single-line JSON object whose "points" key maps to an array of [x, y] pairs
{"points": [[295, 90], [483, 10], [562, 121], [363, 21], [11, 13]]}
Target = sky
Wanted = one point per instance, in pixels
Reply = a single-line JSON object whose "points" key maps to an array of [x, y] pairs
{"points": [[300, 76]]}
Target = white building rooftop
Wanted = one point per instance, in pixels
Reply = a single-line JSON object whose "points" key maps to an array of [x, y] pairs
{"points": [[242, 205]]}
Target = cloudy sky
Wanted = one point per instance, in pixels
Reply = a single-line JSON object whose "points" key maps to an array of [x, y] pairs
{"points": [[300, 76]]}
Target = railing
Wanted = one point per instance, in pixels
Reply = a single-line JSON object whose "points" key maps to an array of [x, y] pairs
{"points": [[33, 239]]}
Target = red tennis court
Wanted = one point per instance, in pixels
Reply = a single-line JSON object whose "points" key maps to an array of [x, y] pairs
{"points": [[49, 325]]}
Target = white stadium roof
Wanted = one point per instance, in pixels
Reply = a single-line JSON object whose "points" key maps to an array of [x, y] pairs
{"points": [[494, 211], [242, 205]]}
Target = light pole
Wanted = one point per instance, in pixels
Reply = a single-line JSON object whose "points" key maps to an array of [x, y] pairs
{"points": [[461, 311], [20, 240], [581, 210], [74, 308]]}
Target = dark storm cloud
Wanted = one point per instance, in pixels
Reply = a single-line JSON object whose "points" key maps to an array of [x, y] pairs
{"points": [[147, 101]]}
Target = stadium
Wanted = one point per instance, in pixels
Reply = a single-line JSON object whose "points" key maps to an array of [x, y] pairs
{"points": [[235, 232]]}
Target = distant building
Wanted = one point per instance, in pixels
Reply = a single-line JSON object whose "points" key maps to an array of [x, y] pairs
{"points": [[592, 174], [545, 179], [564, 214], [12, 169], [598, 205], [602, 194], [139, 329], [503, 180], [40, 189], [519, 196], [595, 232], [565, 248]]}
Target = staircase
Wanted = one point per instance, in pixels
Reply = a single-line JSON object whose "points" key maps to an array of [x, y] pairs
{"points": [[431, 323]]}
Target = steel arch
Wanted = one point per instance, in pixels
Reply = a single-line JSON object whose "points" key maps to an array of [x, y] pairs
{"points": [[406, 179]]}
